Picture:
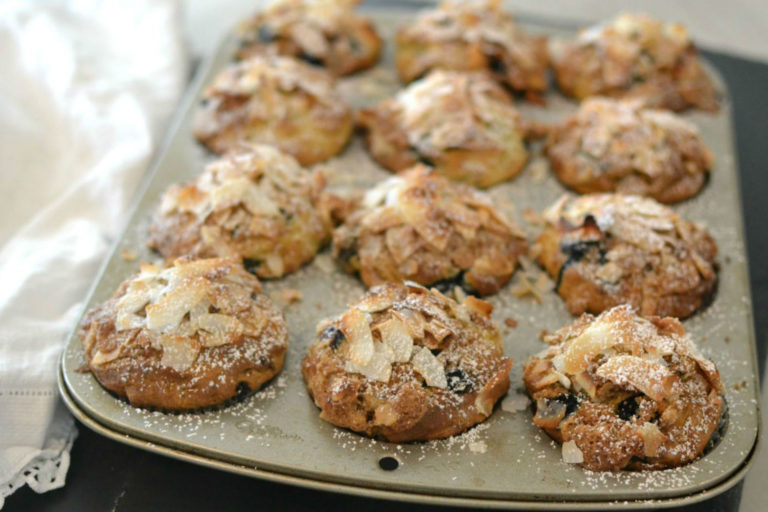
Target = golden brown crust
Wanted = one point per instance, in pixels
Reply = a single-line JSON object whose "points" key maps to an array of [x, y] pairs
{"points": [[620, 146], [607, 249], [472, 36], [462, 124], [408, 364], [424, 228], [185, 337], [255, 203], [327, 33], [277, 101], [634, 56], [628, 392]]}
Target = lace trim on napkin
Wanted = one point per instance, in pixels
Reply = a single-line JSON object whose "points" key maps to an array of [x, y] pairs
{"points": [[48, 469]]}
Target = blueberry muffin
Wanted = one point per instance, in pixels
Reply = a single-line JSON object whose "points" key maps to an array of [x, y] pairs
{"points": [[184, 337], [620, 146], [462, 124], [277, 101], [424, 228], [603, 250], [634, 56], [408, 364], [472, 36], [624, 392], [325, 33], [255, 203]]}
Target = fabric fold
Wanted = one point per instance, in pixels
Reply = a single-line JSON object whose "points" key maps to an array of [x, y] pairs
{"points": [[87, 90]]}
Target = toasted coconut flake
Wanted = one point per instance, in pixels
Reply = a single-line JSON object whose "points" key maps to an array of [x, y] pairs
{"points": [[571, 453], [287, 296], [220, 325], [356, 329], [650, 377], [549, 413], [170, 310], [379, 365], [101, 358], [515, 402], [478, 305], [430, 368], [412, 320], [136, 297], [596, 338], [275, 264], [128, 255], [653, 438], [374, 302], [179, 352], [438, 330], [417, 214], [395, 335], [583, 382]]}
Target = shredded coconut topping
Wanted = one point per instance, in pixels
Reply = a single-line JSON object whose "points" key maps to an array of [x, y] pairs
{"points": [[638, 388], [450, 109]]}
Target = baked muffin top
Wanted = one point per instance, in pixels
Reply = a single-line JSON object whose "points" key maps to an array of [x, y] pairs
{"points": [[252, 203], [610, 249], [619, 145], [185, 336], [496, 42], [625, 392], [323, 32], [450, 109], [635, 55], [277, 101], [639, 221], [406, 363], [422, 227]]}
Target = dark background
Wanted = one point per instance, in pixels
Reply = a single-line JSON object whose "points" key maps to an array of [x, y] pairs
{"points": [[106, 475]]}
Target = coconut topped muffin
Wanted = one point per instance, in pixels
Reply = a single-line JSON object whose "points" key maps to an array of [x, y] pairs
{"points": [[424, 228], [608, 249], [463, 124], [191, 335], [406, 364], [621, 391], [327, 33], [255, 203], [635, 56], [471, 36], [620, 146], [278, 101]]}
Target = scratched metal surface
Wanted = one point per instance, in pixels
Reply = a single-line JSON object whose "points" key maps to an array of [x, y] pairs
{"points": [[506, 459]]}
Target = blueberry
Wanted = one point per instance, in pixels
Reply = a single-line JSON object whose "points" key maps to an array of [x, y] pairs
{"points": [[335, 335], [459, 382]]}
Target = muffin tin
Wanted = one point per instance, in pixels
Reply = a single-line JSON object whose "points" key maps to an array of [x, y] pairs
{"points": [[506, 462]]}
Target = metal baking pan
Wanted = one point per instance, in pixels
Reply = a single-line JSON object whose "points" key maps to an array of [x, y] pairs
{"points": [[507, 461]]}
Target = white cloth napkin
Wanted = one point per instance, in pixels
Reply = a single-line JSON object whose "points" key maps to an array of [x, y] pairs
{"points": [[86, 88]]}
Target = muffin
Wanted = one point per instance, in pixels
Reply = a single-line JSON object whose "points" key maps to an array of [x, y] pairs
{"points": [[462, 124], [424, 228], [255, 203], [194, 334], [620, 146], [407, 364], [472, 36], [325, 33], [625, 392], [603, 250], [277, 101], [634, 56]]}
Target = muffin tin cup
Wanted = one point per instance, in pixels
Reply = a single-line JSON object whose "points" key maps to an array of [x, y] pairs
{"points": [[505, 462]]}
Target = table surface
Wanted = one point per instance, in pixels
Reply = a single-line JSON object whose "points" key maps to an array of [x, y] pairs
{"points": [[106, 475]]}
